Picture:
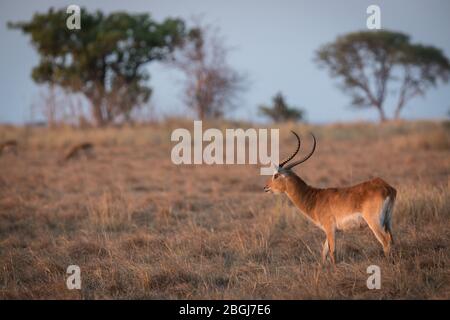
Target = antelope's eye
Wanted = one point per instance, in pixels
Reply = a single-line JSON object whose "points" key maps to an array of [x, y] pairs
{"points": [[276, 175]]}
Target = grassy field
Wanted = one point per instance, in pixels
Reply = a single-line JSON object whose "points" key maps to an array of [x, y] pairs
{"points": [[141, 227]]}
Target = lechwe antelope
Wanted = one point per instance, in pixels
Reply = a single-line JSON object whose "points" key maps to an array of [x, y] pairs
{"points": [[334, 209], [9, 146], [85, 148]]}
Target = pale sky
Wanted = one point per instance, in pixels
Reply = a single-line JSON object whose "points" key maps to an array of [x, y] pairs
{"points": [[274, 44]]}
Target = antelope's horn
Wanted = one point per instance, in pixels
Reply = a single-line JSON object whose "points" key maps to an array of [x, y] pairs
{"points": [[293, 164], [292, 155]]}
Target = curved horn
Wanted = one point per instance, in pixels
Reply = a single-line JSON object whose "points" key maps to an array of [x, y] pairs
{"points": [[292, 155], [293, 164]]}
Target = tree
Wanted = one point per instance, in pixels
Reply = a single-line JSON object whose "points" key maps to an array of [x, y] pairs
{"points": [[58, 107], [211, 84], [105, 59], [423, 67], [280, 111], [369, 62]]}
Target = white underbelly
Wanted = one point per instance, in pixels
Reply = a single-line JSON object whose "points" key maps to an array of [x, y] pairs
{"points": [[351, 221]]}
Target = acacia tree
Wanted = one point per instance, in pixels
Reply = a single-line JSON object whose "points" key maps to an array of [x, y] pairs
{"points": [[369, 62], [105, 59], [280, 111], [422, 68], [211, 84]]}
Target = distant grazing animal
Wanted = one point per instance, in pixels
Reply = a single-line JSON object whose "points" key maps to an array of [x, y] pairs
{"points": [[9, 146], [334, 209], [85, 148]]}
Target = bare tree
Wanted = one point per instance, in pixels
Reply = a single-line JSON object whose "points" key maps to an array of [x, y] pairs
{"points": [[49, 105], [59, 106], [212, 85]]}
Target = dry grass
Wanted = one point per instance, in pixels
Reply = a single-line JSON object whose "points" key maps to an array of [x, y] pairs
{"points": [[141, 227]]}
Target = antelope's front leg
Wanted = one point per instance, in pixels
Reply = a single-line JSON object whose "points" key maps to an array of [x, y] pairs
{"points": [[331, 243], [325, 251]]}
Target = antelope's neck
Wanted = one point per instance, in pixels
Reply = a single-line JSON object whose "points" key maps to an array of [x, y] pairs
{"points": [[302, 195]]}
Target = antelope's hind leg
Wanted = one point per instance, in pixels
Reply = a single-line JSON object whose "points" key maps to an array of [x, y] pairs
{"points": [[375, 224]]}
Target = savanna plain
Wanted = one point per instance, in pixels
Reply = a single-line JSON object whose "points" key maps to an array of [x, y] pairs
{"points": [[140, 227]]}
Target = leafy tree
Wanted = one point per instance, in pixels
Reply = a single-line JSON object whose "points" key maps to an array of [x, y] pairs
{"points": [[368, 62], [104, 60], [280, 111]]}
